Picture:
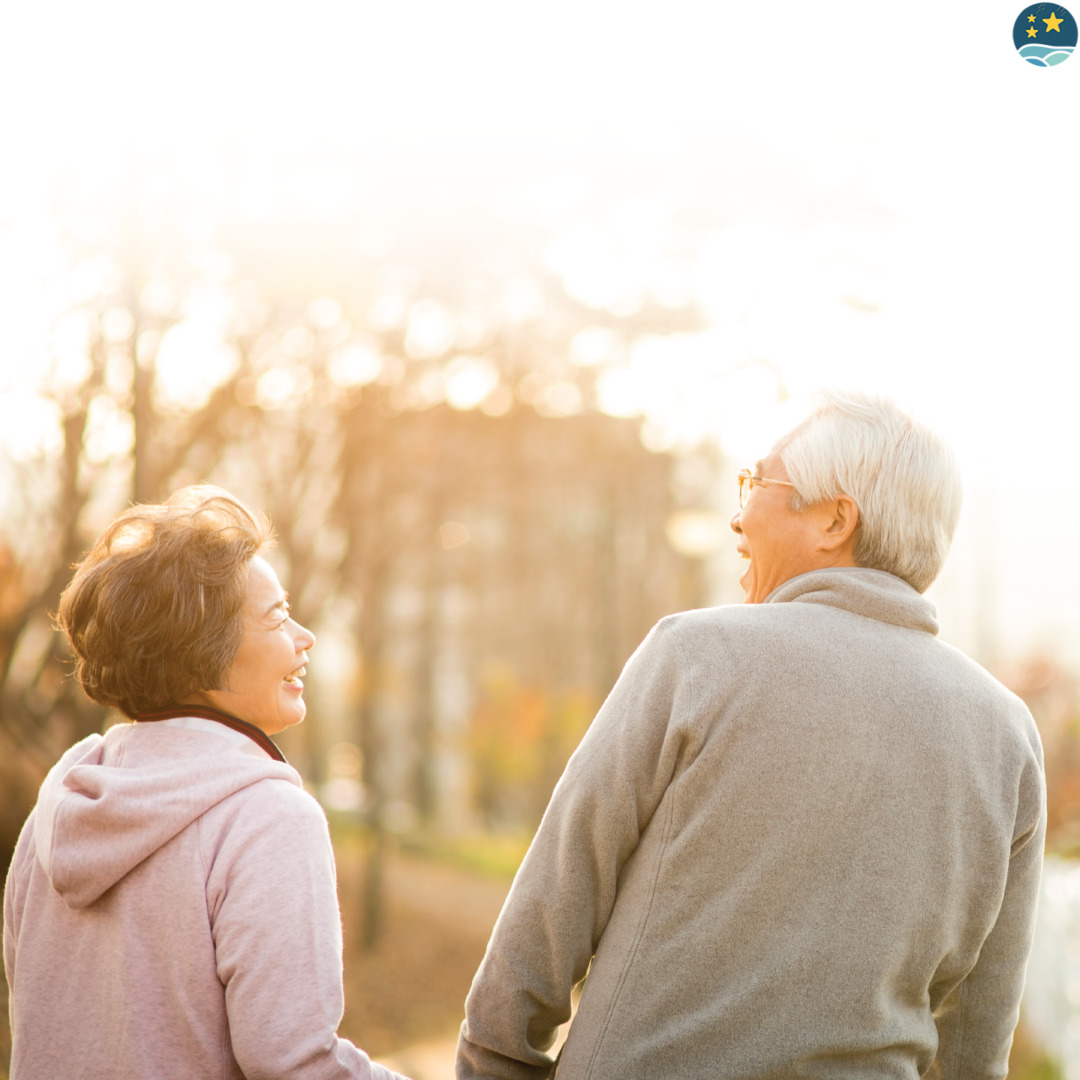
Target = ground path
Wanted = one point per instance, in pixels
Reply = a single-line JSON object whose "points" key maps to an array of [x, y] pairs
{"points": [[460, 899], [461, 906], [425, 1061], [405, 998]]}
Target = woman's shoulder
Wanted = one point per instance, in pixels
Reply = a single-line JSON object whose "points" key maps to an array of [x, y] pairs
{"points": [[268, 816], [279, 795]]}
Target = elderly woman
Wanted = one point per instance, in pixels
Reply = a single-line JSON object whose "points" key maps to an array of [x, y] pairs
{"points": [[171, 907], [803, 836]]}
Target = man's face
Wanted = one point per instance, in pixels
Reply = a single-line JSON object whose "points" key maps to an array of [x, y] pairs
{"points": [[779, 542]]}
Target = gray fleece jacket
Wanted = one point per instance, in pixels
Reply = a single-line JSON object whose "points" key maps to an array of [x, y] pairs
{"points": [[801, 838]]}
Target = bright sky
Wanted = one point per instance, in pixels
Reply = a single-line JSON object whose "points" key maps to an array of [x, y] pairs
{"points": [[922, 109]]}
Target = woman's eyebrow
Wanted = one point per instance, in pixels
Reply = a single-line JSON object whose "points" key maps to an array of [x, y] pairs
{"points": [[282, 603]]}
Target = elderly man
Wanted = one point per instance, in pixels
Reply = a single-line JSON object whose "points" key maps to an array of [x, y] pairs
{"points": [[803, 836]]}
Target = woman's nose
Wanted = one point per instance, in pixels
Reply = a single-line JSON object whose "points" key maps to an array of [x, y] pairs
{"points": [[736, 525]]}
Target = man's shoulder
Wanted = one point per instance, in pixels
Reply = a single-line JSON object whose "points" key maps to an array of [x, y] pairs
{"points": [[711, 639], [793, 633], [990, 691], [738, 622], [705, 619]]}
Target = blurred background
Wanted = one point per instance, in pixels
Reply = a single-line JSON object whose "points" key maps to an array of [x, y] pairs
{"points": [[486, 305]]}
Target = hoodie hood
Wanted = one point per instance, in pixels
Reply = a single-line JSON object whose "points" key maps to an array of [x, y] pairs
{"points": [[873, 593], [113, 800]]}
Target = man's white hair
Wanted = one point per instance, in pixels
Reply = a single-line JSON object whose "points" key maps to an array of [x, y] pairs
{"points": [[903, 478]]}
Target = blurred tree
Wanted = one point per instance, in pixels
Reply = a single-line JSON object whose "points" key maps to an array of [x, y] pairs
{"points": [[1052, 693], [429, 446]]}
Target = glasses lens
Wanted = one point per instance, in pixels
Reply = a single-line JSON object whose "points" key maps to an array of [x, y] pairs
{"points": [[744, 488]]}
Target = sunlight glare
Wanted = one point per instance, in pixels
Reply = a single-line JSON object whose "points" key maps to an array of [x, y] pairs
{"points": [[619, 392], [192, 361], [430, 330], [469, 380], [697, 533], [325, 312], [499, 402], [595, 345], [70, 340], [588, 261], [745, 415], [558, 400], [356, 364], [521, 301], [110, 431], [33, 427], [117, 324], [283, 387], [298, 342], [739, 265]]}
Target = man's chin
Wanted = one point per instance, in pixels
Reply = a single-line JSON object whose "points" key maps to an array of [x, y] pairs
{"points": [[747, 583]]}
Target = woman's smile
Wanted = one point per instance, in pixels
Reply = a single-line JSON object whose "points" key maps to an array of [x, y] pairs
{"points": [[265, 684]]}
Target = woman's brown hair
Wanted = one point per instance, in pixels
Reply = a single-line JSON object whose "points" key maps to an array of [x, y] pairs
{"points": [[154, 612]]}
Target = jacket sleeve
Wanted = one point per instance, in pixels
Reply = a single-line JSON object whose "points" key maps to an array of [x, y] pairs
{"points": [[272, 899], [975, 1026], [18, 880], [564, 891]]}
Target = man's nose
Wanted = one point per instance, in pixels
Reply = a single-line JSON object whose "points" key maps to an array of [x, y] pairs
{"points": [[736, 526]]}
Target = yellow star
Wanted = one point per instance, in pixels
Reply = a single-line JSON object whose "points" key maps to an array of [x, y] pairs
{"points": [[1053, 23], [1032, 32], [1031, 18]]}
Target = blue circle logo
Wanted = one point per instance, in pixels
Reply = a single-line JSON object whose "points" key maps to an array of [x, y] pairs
{"points": [[1044, 34]]}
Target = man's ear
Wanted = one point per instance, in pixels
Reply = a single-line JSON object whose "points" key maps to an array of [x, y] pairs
{"points": [[841, 522]]}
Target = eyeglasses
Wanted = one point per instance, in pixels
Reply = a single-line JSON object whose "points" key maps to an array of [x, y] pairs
{"points": [[747, 481]]}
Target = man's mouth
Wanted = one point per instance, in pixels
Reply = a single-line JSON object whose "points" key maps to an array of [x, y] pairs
{"points": [[744, 577]]}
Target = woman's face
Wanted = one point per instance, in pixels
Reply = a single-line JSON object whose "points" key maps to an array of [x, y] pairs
{"points": [[263, 685]]}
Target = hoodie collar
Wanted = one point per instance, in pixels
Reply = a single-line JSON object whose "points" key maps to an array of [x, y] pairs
{"points": [[862, 591], [112, 801], [233, 723]]}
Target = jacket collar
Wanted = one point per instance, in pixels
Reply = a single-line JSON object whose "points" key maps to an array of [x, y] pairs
{"points": [[873, 593]]}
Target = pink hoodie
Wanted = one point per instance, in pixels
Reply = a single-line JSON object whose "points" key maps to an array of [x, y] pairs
{"points": [[171, 911]]}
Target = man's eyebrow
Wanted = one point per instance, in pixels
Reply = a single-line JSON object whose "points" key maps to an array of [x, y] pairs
{"points": [[757, 468]]}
